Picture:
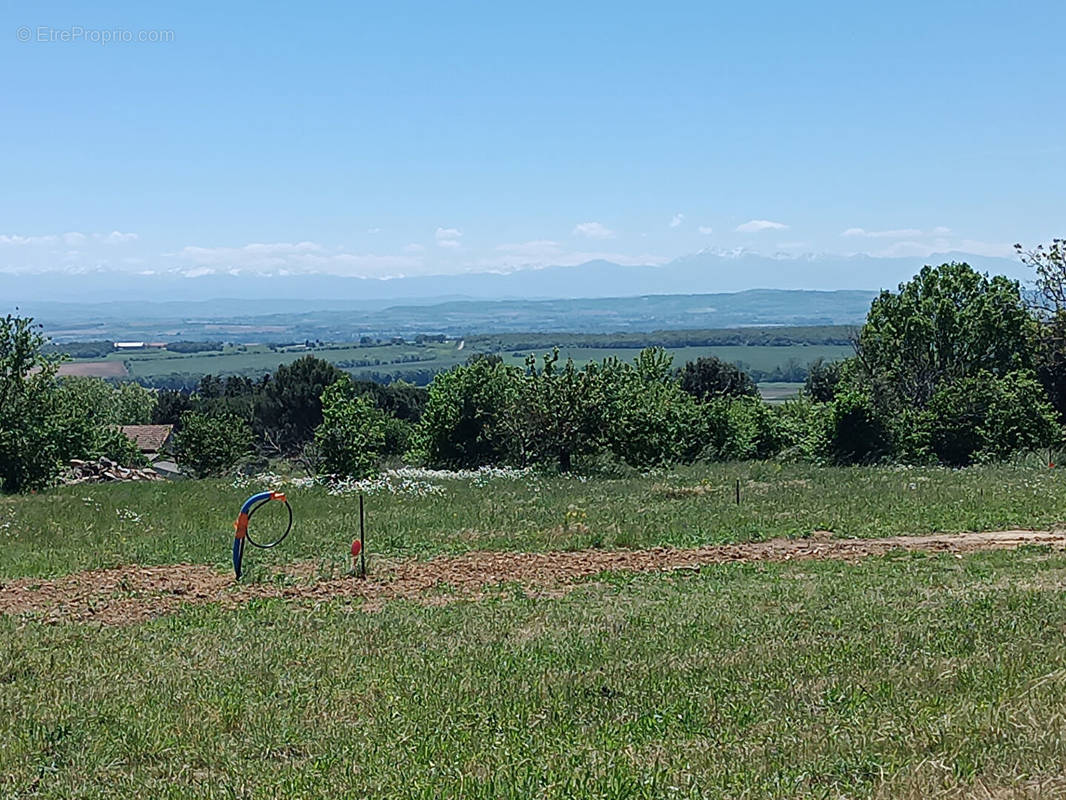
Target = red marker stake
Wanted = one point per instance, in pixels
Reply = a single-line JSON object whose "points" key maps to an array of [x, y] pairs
{"points": [[357, 547]]}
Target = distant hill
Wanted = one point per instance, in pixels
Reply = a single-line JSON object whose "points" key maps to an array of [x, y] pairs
{"points": [[699, 273], [756, 307]]}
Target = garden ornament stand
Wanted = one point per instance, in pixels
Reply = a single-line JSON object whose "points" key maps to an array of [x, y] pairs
{"points": [[240, 536]]}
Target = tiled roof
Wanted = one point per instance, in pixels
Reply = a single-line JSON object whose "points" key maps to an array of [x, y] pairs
{"points": [[149, 438]]}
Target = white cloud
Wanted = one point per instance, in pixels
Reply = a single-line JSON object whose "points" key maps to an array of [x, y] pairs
{"points": [[448, 237], [677, 220], [757, 225], [413, 248], [593, 230], [15, 239], [540, 248], [898, 233], [68, 238], [706, 230], [115, 237], [292, 258]]}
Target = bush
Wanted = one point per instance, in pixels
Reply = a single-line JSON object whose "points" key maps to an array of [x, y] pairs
{"points": [[645, 418], [823, 378], [351, 438], [114, 444], [212, 444], [856, 434], [753, 431], [464, 421], [803, 428], [710, 378], [987, 418]]}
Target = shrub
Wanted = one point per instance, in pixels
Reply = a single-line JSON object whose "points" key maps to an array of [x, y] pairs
{"points": [[463, 424], [645, 418], [823, 378], [987, 418], [803, 429], [212, 444], [856, 434], [710, 378], [112, 443]]}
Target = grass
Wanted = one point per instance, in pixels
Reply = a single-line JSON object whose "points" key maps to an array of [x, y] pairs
{"points": [[84, 527], [898, 677], [906, 676]]}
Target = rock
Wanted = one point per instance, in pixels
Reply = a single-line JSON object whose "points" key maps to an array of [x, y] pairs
{"points": [[104, 470]]}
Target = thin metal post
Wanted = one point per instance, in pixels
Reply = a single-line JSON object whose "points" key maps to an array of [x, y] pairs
{"points": [[362, 547], [738, 491]]}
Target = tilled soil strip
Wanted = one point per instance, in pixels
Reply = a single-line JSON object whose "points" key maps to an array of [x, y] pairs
{"points": [[134, 594]]}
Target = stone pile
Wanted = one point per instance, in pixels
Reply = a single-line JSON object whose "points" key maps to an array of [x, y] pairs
{"points": [[103, 470]]}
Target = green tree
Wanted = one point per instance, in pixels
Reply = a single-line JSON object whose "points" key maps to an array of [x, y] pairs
{"points": [[212, 444], [710, 377], [645, 417], [134, 404], [465, 422], [1048, 262], [289, 408], [556, 415], [105, 404], [352, 436], [823, 378], [946, 324], [38, 430]]}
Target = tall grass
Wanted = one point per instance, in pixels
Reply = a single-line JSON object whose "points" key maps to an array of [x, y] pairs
{"points": [[898, 677]]}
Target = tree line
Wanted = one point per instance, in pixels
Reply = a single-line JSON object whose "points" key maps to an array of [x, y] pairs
{"points": [[954, 367]]}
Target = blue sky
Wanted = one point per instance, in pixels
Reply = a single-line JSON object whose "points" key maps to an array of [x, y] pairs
{"points": [[413, 138]]}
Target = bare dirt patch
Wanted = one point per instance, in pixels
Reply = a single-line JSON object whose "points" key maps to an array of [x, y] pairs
{"points": [[133, 594]]}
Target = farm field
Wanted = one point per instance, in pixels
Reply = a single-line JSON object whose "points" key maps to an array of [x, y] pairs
{"points": [[361, 361], [779, 391], [898, 675], [105, 368]]}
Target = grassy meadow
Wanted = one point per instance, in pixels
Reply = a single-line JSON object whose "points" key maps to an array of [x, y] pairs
{"points": [[904, 677], [901, 676]]}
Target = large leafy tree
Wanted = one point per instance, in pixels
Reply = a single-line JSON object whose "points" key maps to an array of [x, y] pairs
{"points": [[467, 416], [1048, 263], [557, 411], [946, 324], [212, 444], [39, 430], [351, 438], [290, 405], [645, 417]]}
